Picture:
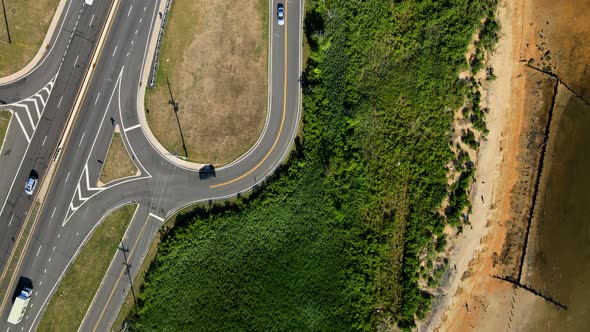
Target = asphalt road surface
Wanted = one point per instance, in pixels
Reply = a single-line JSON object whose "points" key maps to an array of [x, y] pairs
{"points": [[75, 205], [41, 102]]}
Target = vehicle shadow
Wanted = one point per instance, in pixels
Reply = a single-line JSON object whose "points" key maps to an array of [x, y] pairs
{"points": [[23, 282]]}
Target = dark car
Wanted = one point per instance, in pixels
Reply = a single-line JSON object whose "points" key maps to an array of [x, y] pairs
{"points": [[206, 172], [280, 14]]}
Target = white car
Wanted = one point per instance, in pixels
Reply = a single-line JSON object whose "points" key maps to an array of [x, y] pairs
{"points": [[30, 185], [280, 14]]}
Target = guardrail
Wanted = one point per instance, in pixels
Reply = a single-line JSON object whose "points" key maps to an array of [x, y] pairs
{"points": [[154, 69]]}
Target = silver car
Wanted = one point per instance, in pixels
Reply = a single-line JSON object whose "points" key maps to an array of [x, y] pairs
{"points": [[30, 185], [280, 14]]}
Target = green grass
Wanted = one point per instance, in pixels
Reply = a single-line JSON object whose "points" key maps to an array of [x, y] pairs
{"points": [[70, 302], [129, 303], [333, 241], [28, 21], [4, 121]]}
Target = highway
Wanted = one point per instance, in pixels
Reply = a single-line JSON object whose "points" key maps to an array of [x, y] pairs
{"points": [[41, 102], [75, 204]]}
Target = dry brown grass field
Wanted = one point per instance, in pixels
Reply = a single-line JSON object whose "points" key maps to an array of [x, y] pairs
{"points": [[214, 56], [28, 21], [117, 164]]}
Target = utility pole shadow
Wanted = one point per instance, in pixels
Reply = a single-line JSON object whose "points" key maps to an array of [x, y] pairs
{"points": [[128, 273], [174, 104], [6, 22]]}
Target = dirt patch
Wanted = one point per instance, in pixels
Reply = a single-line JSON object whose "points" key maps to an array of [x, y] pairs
{"points": [[117, 164], [543, 35], [28, 21], [214, 56]]}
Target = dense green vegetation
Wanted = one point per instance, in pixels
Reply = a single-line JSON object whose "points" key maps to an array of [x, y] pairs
{"points": [[333, 240]]}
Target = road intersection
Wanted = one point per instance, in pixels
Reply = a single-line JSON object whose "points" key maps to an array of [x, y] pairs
{"points": [[74, 203]]}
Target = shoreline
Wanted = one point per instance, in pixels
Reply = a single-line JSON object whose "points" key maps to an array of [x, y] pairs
{"points": [[470, 252], [538, 47]]}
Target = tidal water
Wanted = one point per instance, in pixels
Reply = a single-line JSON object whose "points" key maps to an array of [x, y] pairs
{"points": [[559, 256]]}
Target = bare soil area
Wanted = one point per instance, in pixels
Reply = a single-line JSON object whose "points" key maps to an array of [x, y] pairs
{"points": [[536, 36], [28, 21], [213, 64]]}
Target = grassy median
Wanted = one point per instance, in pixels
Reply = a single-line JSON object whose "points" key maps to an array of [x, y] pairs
{"points": [[28, 21], [214, 57], [70, 302], [4, 121], [117, 164]]}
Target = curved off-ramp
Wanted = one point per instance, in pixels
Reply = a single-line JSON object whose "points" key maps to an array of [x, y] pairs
{"points": [[75, 205]]}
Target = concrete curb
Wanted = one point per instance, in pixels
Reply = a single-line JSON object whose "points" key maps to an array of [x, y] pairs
{"points": [[42, 50], [143, 84]]}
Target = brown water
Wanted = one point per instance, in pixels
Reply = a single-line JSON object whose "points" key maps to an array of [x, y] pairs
{"points": [[559, 253]]}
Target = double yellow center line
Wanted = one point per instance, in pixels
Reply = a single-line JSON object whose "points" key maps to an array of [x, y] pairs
{"points": [[282, 119]]}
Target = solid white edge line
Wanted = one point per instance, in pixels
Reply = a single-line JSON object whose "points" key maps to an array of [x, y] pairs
{"points": [[94, 142], [228, 196], [72, 260], [22, 159], [269, 98], [79, 191], [110, 265]]}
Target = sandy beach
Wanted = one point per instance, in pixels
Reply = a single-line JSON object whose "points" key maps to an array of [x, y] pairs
{"points": [[537, 44]]}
